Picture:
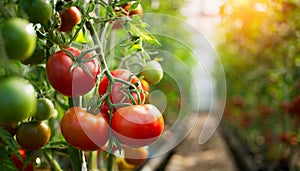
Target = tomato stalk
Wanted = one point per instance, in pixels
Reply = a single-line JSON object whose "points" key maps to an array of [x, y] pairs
{"points": [[54, 165], [112, 80], [100, 53], [92, 162]]}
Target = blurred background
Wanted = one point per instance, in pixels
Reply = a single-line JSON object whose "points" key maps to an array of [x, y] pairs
{"points": [[257, 45]]}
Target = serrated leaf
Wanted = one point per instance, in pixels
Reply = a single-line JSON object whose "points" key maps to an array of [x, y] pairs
{"points": [[143, 33]]}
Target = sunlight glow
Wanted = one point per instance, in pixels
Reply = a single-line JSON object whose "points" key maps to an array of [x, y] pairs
{"points": [[260, 7]]}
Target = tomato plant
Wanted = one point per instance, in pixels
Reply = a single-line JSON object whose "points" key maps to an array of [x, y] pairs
{"points": [[72, 75], [152, 72], [38, 11], [13, 32], [127, 10], [17, 99], [145, 118], [69, 18], [84, 130], [51, 80], [33, 135]]}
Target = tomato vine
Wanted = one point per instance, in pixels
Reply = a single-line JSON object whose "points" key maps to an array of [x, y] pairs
{"points": [[70, 41]]}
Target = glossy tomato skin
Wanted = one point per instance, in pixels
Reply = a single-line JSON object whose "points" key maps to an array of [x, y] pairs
{"points": [[69, 18], [19, 38], [74, 83], [137, 125], [19, 163], [17, 99], [38, 11], [117, 93], [44, 109], [84, 130], [33, 135]]}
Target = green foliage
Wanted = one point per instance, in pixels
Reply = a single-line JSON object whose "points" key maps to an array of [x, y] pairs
{"points": [[5, 161], [7, 150]]}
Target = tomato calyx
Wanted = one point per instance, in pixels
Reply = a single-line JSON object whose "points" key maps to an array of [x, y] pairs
{"points": [[80, 60]]}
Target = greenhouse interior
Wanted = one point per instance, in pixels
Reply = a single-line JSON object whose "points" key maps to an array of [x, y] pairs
{"points": [[149, 85]]}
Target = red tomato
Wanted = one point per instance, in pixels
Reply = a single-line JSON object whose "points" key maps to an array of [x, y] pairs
{"points": [[20, 164], [75, 82], [84, 130], [69, 18], [137, 125], [119, 89]]}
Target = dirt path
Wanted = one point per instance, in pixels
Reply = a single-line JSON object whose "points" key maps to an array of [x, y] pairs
{"points": [[191, 156]]}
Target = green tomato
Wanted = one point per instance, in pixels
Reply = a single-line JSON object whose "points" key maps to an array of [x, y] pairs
{"points": [[19, 38], [38, 11], [44, 109], [17, 99], [152, 72]]}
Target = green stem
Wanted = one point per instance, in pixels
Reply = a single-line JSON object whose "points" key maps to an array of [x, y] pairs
{"points": [[93, 156], [110, 162], [54, 165]]}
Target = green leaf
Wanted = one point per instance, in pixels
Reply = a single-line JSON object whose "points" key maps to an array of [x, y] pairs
{"points": [[110, 11], [9, 141], [6, 163], [134, 5], [91, 7], [76, 158], [138, 28]]}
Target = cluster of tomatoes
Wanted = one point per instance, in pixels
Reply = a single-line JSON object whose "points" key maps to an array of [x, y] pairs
{"points": [[122, 108], [120, 114]]}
